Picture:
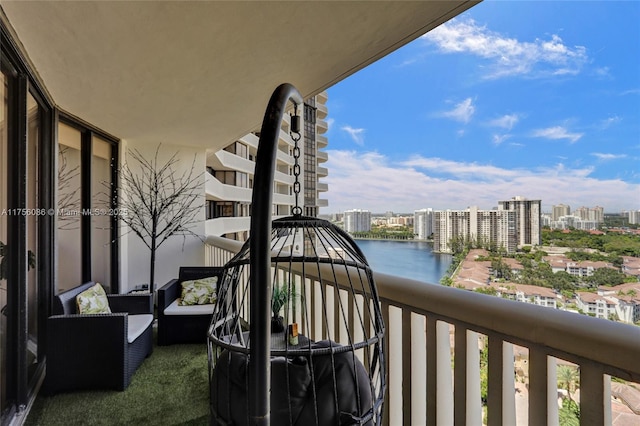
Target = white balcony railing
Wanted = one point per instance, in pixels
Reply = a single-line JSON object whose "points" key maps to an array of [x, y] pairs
{"points": [[433, 336]]}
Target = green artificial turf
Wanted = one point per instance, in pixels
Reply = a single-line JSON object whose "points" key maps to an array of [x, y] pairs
{"points": [[171, 387]]}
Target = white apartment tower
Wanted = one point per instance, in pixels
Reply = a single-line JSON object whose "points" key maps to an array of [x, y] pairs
{"points": [[357, 220], [487, 228], [634, 216], [229, 181], [528, 214], [423, 223]]}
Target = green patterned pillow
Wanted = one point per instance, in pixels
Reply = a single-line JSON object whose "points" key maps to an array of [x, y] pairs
{"points": [[93, 301], [199, 292]]}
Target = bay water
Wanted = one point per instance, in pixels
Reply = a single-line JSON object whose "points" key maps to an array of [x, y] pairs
{"points": [[409, 259]]}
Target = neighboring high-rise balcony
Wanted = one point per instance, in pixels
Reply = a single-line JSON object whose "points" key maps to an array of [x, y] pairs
{"points": [[322, 141], [322, 156], [437, 338]]}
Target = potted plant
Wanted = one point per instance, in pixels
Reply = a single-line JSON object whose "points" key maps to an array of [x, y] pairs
{"points": [[281, 295]]}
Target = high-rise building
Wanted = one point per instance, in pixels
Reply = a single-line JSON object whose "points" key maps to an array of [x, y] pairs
{"points": [[528, 221], [560, 210], [357, 220], [593, 214], [487, 228], [230, 174], [423, 223], [634, 217]]}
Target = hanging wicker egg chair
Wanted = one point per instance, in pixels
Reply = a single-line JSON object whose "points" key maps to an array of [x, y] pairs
{"points": [[316, 337]]}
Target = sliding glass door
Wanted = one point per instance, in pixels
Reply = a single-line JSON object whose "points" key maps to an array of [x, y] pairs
{"points": [[5, 404]]}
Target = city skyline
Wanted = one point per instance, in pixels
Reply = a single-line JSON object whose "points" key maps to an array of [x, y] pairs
{"points": [[533, 99]]}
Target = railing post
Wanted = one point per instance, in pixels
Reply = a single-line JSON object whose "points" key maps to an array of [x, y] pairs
{"points": [[495, 390], [592, 396], [445, 382], [474, 394], [462, 364], [538, 380], [508, 385]]}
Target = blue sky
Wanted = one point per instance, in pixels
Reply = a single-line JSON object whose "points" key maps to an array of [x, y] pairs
{"points": [[539, 99]]}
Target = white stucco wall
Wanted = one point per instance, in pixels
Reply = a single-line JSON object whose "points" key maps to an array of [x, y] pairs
{"points": [[176, 251]]}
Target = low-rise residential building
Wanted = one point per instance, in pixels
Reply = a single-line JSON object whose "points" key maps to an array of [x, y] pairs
{"points": [[627, 299], [621, 302], [596, 305], [631, 266], [580, 269], [541, 296]]}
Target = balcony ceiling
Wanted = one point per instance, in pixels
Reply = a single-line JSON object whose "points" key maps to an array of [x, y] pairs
{"points": [[200, 73]]}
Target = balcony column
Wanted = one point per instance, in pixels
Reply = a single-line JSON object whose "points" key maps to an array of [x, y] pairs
{"points": [[552, 392], [474, 397], [508, 385], [418, 370], [444, 411]]}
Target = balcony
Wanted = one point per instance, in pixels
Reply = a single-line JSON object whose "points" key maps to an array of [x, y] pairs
{"points": [[431, 326], [322, 156], [322, 141], [322, 125], [322, 110]]}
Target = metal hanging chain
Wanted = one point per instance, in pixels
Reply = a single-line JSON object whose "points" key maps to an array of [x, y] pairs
{"points": [[295, 135]]}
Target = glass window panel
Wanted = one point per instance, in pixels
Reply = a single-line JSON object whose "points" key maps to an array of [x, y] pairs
{"points": [[33, 136], [69, 267], [4, 116], [101, 188]]}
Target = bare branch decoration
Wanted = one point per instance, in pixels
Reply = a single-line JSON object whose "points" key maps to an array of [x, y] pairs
{"points": [[159, 202]]}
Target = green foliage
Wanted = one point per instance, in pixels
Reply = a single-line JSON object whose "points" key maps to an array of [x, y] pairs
{"points": [[605, 277], [281, 296], [491, 291], [569, 413], [611, 242], [501, 269], [446, 281], [385, 233], [484, 375]]}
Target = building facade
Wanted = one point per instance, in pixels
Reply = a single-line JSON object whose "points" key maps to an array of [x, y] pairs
{"points": [[560, 210], [592, 214], [357, 220], [229, 179], [423, 223], [486, 228], [528, 219]]}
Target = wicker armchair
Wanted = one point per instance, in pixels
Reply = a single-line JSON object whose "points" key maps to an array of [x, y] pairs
{"points": [[190, 326], [98, 351]]}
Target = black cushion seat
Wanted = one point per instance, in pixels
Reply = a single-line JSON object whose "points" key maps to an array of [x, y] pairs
{"points": [[97, 351]]}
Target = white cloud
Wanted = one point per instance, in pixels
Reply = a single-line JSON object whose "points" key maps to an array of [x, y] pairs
{"points": [[608, 122], [557, 132], [462, 112], [356, 134], [498, 139], [508, 56], [330, 122], [507, 121], [369, 180], [606, 157]]}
